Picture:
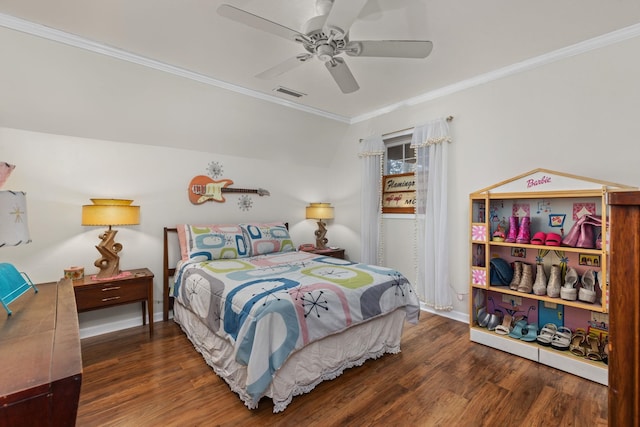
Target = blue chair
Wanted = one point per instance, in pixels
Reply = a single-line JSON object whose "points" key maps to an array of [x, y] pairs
{"points": [[13, 284]]}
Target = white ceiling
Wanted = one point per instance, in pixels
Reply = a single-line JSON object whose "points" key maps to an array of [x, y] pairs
{"points": [[471, 38]]}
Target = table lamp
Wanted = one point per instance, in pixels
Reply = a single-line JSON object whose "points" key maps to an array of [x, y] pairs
{"points": [[320, 211], [109, 212], [14, 231], [13, 218]]}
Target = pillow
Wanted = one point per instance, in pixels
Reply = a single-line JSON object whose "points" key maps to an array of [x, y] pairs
{"points": [[266, 238], [211, 242]]}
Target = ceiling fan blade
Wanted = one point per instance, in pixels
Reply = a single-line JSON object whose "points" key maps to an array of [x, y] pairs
{"points": [[285, 66], [255, 21], [342, 75], [390, 48], [341, 16]]}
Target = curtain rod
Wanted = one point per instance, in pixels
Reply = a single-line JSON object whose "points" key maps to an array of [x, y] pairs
{"points": [[449, 119]]}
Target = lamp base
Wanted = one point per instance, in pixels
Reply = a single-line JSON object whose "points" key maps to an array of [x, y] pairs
{"points": [[109, 262], [321, 241]]}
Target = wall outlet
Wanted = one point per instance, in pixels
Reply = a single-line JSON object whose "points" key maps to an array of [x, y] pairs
{"points": [[512, 300]]}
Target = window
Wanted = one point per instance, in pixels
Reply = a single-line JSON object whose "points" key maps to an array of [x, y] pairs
{"points": [[400, 158], [398, 183]]}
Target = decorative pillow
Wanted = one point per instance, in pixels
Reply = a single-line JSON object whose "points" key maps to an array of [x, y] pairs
{"points": [[266, 238], [211, 242]]}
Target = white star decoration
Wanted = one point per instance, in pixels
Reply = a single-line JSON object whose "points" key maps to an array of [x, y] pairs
{"points": [[245, 203]]}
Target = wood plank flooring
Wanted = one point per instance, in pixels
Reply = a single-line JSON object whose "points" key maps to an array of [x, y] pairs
{"points": [[439, 379]]}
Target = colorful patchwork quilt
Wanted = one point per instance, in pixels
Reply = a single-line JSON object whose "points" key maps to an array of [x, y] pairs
{"points": [[269, 306]]}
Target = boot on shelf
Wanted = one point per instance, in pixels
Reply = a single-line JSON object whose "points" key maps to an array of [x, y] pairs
{"points": [[524, 233], [569, 290], [587, 292], [526, 282], [553, 287], [517, 275], [513, 230], [540, 285]]}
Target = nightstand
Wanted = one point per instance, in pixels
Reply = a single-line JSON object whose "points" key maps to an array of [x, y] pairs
{"points": [[335, 253], [135, 286]]}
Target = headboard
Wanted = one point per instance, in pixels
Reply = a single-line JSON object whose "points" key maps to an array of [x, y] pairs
{"points": [[168, 272], [169, 269]]}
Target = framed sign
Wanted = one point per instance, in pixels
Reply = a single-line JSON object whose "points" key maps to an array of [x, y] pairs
{"points": [[399, 193]]}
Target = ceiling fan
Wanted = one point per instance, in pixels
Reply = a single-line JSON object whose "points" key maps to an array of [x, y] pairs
{"points": [[326, 36]]}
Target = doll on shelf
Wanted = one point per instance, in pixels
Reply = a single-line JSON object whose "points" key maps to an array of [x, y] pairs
{"points": [[500, 234]]}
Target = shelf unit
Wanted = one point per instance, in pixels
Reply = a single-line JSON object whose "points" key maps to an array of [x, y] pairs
{"points": [[553, 201]]}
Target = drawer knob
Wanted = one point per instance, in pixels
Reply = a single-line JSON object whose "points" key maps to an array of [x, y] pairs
{"points": [[111, 288], [110, 299]]}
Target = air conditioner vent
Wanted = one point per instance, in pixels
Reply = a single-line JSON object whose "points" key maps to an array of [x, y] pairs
{"points": [[289, 92]]}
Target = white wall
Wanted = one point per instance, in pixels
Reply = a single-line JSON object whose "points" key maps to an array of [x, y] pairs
{"points": [[578, 115], [61, 173]]}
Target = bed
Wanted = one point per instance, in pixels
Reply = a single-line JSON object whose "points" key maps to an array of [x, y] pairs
{"points": [[273, 321]]}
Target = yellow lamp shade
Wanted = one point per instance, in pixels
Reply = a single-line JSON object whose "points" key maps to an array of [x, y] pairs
{"points": [[110, 212], [319, 211]]}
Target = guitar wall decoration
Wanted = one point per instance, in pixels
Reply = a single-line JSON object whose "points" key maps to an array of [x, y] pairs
{"points": [[202, 189]]}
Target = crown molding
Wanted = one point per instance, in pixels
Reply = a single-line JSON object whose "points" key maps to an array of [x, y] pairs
{"points": [[519, 67], [69, 39], [52, 34]]}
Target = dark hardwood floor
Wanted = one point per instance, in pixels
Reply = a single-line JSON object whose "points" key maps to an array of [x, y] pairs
{"points": [[439, 379]]}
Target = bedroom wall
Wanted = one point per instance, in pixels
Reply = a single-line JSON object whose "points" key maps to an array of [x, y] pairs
{"points": [[577, 115], [61, 173]]}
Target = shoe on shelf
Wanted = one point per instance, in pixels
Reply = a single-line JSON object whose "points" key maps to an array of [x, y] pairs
{"points": [[517, 275], [546, 334], [524, 233], [513, 230], [518, 329], [505, 327], [530, 332], [540, 285], [482, 317], [562, 339], [539, 238], [554, 284], [587, 291], [593, 348], [526, 282], [553, 239], [494, 320], [578, 343], [568, 291], [604, 350]]}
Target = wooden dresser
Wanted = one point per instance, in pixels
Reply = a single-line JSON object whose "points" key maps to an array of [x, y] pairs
{"points": [[40, 358], [624, 310]]}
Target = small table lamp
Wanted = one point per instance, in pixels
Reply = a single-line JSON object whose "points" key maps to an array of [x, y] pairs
{"points": [[109, 212], [320, 211]]}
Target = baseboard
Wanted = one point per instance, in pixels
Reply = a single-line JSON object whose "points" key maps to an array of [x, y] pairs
{"points": [[455, 315], [91, 331], [105, 328]]}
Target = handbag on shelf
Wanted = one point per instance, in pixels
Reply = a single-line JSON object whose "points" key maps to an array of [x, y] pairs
{"points": [[501, 272], [581, 234]]}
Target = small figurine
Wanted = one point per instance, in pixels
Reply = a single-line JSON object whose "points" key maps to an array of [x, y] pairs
{"points": [[500, 234]]}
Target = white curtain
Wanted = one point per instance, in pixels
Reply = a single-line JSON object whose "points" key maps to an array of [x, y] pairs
{"points": [[431, 142], [371, 153]]}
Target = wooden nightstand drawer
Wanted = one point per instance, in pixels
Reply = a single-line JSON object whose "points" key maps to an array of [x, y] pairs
{"points": [[132, 286], [103, 295]]}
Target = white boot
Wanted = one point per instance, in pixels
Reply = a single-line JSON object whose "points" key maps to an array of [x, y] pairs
{"points": [[540, 285]]}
